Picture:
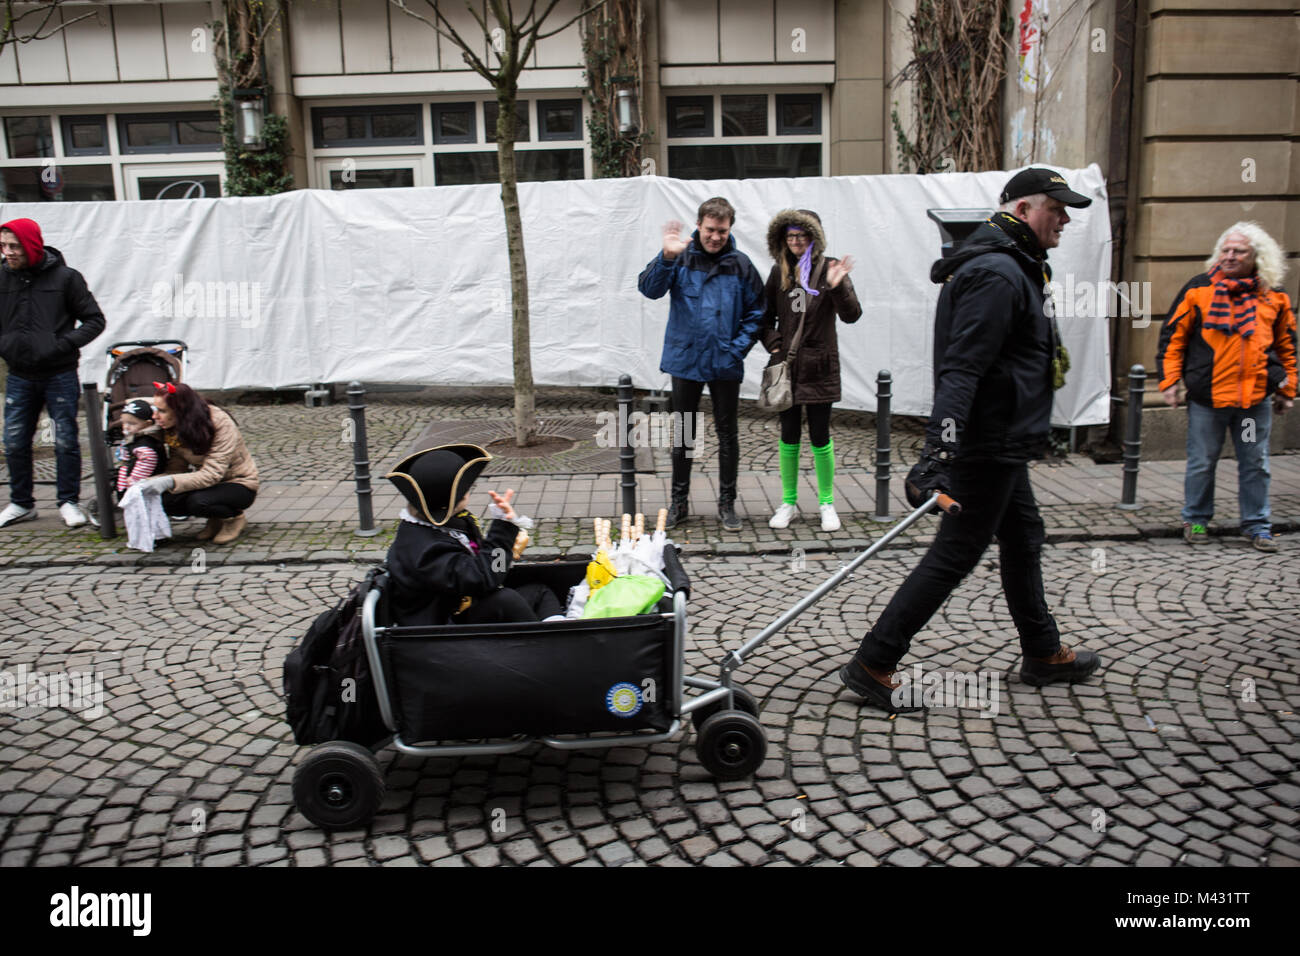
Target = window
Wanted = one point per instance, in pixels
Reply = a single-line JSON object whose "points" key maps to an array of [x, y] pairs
{"points": [[690, 116], [745, 135], [531, 166], [56, 183], [184, 186], [371, 178], [170, 133], [559, 119], [797, 115], [367, 126], [490, 121], [84, 135], [29, 137], [454, 123]]}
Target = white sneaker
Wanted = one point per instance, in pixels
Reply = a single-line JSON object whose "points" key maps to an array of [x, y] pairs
{"points": [[830, 520], [783, 516], [16, 513], [72, 516]]}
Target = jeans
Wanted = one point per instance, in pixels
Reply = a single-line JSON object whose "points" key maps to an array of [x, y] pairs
{"points": [[996, 500], [726, 404], [24, 399], [1249, 428]]}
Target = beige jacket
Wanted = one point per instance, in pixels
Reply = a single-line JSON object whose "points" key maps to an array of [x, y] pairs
{"points": [[228, 460]]}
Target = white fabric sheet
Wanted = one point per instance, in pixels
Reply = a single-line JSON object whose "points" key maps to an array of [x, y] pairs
{"points": [[145, 520], [412, 285]]}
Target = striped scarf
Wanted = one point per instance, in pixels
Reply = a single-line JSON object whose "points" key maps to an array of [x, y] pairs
{"points": [[1232, 309]]}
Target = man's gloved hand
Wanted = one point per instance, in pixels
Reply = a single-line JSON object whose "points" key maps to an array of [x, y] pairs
{"points": [[156, 485], [927, 476]]}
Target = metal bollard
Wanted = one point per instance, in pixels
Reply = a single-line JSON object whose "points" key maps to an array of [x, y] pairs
{"points": [[626, 453], [361, 460], [99, 459], [1137, 378], [883, 396]]}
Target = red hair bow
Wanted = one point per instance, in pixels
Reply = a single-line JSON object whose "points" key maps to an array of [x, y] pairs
{"points": [[167, 387]]}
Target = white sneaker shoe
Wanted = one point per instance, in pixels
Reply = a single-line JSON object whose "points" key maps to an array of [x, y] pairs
{"points": [[72, 516], [783, 516], [830, 520], [16, 513]]}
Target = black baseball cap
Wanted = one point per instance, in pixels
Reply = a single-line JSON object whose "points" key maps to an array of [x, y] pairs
{"points": [[1029, 182]]}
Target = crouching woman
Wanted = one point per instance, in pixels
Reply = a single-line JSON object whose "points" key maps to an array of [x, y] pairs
{"points": [[210, 473]]}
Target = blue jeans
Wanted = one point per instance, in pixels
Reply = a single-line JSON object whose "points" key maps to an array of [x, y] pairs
{"points": [[1249, 428], [24, 399]]}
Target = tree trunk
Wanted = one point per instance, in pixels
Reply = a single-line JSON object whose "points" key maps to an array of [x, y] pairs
{"points": [[525, 397]]}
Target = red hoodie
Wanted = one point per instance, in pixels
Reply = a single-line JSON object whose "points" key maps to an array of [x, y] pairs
{"points": [[29, 237]]}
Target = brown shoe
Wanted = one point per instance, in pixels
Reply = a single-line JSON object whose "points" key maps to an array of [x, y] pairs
{"points": [[209, 529], [1065, 666], [231, 529], [878, 688]]}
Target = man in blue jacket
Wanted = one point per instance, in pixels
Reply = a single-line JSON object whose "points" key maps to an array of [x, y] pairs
{"points": [[717, 304], [46, 315]]}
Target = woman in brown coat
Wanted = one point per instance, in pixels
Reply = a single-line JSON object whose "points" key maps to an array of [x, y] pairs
{"points": [[806, 285], [210, 473]]}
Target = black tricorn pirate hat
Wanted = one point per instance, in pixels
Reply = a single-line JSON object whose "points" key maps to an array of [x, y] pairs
{"points": [[433, 480]]}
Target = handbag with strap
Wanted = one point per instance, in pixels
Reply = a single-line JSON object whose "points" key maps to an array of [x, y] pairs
{"points": [[776, 394]]}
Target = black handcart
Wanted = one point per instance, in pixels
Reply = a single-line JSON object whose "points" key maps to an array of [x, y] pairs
{"points": [[452, 690]]}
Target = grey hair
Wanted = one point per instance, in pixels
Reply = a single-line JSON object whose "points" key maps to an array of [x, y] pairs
{"points": [[1269, 261], [1034, 199]]}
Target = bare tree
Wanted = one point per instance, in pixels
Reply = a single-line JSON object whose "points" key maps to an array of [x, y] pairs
{"points": [[38, 21], [512, 41]]}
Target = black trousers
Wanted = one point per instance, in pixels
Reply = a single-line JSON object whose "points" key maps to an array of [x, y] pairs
{"points": [[819, 424], [726, 402], [530, 602], [996, 500], [220, 501]]}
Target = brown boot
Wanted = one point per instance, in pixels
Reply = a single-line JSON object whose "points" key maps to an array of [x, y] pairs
{"points": [[1064, 667], [209, 529], [231, 529]]}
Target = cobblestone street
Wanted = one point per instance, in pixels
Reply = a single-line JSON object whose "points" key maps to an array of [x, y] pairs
{"points": [[1184, 752]]}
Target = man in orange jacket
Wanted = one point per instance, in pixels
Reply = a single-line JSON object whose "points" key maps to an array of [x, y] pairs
{"points": [[1231, 338]]}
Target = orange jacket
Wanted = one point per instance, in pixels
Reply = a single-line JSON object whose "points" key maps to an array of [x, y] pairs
{"points": [[1220, 369]]}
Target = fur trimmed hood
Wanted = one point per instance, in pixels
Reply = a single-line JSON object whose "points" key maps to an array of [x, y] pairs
{"points": [[806, 220]]}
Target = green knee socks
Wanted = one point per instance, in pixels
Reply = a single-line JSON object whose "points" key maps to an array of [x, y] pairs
{"points": [[824, 461], [789, 473]]}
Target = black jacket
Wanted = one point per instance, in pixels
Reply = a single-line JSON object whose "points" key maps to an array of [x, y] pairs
{"points": [[993, 348], [431, 570], [46, 315]]}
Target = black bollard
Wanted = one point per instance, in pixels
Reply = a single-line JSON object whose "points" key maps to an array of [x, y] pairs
{"points": [[99, 460], [626, 453], [883, 395], [1137, 378], [361, 460]]}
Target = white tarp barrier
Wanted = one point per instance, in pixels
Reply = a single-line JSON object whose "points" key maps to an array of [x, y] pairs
{"points": [[412, 285]]}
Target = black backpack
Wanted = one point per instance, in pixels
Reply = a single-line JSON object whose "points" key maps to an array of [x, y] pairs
{"points": [[329, 693]]}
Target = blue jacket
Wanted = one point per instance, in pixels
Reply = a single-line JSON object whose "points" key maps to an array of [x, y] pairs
{"points": [[717, 306]]}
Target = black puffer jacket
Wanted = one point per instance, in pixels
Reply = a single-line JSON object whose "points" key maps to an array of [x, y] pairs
{"points": [[46, 315], [815, 377], [993, 348]]}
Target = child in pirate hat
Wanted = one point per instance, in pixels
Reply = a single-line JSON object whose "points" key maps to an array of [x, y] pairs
{"points": [[443, 568]]}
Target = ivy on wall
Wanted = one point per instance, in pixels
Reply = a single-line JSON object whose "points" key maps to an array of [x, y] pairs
{"points": [[611, 46], [958, 69]]}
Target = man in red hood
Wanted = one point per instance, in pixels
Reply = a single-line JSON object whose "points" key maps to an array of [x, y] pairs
{"points": [[46, 315]]}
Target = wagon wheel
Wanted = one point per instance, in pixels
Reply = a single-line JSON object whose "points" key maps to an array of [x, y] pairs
{"points": [[731, 744], [339, 786], [744, 701]]}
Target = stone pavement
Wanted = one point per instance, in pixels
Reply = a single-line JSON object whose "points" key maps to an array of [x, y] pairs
{"points": [[1183, 752]]}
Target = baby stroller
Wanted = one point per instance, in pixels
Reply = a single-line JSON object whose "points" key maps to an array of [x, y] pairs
{"points": [[133, 367], [455, 690]]}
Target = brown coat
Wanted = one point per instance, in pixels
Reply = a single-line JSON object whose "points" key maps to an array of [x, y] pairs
{"points": [[816, 372], [228, 459]]}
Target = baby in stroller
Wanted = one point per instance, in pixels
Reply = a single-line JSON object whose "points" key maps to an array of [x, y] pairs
{"points": [[141, 453], [442, 568]]}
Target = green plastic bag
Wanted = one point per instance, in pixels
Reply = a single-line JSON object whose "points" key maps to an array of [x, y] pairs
{"points": [[626, 595]]}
